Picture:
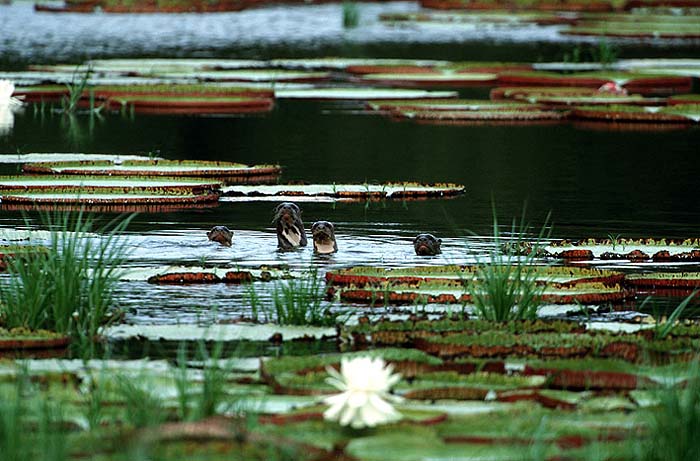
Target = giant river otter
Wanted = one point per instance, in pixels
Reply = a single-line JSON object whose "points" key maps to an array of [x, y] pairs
{"points": [[427, 245], [220, 234], [323, 234], [290, 228]]}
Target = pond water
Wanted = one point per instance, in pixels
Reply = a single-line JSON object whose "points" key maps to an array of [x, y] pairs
{"points": [[594, 182]]}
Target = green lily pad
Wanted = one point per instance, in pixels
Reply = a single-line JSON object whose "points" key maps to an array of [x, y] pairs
{"points": [[223, 332]]}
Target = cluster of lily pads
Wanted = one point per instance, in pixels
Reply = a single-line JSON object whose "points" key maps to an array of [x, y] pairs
{"points": [[115, 184], [649, 23], [638, 94]]}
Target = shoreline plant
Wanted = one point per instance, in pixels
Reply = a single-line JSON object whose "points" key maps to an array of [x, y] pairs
{"points": [[68, 288], [506, 287]]}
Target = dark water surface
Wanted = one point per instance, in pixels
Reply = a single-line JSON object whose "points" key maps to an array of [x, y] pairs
{"points": [[594, 182]]}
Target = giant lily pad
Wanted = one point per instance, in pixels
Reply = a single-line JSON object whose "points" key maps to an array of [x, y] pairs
{"points": [[429, 79], [182, 275], [456, 293], [344, 191], [7, 252], [157, 104], [363, 94], [681, 113], [634, 83], [570, 96], [688, 280], [449, 105], [659, 250], [343, 63], [516, 115], [106, 196], [226, 170], [629, 347], [656, 27], [256, 75], [540, 5], [506, 19], [68, 157], [21, 339], [227, 332], [89, 184], [561, 276]]}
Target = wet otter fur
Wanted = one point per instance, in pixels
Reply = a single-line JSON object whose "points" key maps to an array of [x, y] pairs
{"points": [[427, 245], [323, 234], [290, 228], [221, 234]]}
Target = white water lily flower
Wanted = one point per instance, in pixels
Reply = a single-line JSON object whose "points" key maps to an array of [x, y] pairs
{"points": [[6, 90], [365, 400]]}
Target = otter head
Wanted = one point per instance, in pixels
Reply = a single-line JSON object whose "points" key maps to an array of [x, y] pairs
{"points": [[290, 228], [323, 234], [221, 234], [426, 245], [287, 214]]}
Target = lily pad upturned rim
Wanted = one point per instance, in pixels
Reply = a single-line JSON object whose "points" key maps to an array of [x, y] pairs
{"points": [[95, 183], [120, 197], [349, 191], [21, 339], [368, 275], [150, 168]]}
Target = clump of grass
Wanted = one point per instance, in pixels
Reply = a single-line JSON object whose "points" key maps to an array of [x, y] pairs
{"points": [[30, 428], [506, 287], [351, 15], [69, 288], [663, 328], [604, 54], [295, 302], [142, 408], [198, 404], [300, 302], [76, 88], [674, 425]]}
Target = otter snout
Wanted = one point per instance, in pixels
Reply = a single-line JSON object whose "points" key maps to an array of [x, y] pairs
{"points": [[221, 234], [427, 245]]}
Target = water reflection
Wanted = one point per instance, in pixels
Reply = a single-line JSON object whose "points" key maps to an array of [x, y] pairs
{"points": [[7, 120]]}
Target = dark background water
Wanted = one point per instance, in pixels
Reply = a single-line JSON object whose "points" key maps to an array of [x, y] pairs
{"points": [[594, 182]]}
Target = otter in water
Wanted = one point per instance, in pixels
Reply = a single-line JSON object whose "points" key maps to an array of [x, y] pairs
{"points": [[221, 234], [290, 228], [323, 234], [427, 245]]}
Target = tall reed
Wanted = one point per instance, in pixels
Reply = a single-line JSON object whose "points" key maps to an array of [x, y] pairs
{"points": [[506, 286], [69, 288]]}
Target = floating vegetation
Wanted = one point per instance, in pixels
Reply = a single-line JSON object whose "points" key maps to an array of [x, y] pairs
{"points": [[360, 94], [364, 275], [633, 82], [570, 96], [657, 250], [226, 170], [429, 79], [680, 113], [69, 157], [638, 26], [90, 184], [152, 104], [398, 191]]}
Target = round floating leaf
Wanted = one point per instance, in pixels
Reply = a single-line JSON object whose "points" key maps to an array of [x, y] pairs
{"points": [[155, 168]]}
